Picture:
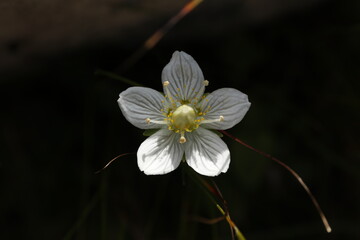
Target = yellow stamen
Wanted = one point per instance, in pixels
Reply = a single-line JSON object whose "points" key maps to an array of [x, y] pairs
{"points": [[182, 138], [148, 121], [220, 119]]}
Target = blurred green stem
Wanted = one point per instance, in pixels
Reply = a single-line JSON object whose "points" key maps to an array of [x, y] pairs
{"points": [[112, 75], [84, 215], [153, 219], [205, 186], [103, 206]]}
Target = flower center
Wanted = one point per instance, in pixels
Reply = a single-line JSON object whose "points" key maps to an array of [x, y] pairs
{"points": [[183, 118]]}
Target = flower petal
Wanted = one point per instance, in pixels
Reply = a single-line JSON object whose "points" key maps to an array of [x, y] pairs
{"points": [[139, 103], [186, 80], [160, 153], [227, 102], [206, 153]]}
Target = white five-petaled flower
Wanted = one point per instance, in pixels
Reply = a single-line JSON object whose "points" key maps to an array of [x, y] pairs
{"points": [[183, 116]]}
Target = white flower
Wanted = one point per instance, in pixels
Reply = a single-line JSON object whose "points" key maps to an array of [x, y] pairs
{"points": [[183, 116]]}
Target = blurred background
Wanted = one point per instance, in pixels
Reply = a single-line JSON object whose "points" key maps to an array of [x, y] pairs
{"points": [[297, 60]]}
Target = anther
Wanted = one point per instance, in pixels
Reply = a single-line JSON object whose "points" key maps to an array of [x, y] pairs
{"points": [[182, 139], [147, 120], [166, 83], [221, 118], [206, 83]]}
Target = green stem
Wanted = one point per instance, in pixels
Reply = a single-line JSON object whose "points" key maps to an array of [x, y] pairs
{"points": [[203, 184], [84, 215], [112, 75], [103, 207]]}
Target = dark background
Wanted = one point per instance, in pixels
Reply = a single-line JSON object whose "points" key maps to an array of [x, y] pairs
{"points": [[298, 61]]}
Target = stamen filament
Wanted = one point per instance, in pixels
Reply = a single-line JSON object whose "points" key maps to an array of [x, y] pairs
{"points": [[168, 94], [148, 121], [220, 119]]}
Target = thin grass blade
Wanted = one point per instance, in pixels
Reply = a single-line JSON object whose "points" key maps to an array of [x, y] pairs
{"points": [[295, 174]]}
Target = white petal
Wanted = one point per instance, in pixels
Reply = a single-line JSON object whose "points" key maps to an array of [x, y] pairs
{"points": [[206, 153], [160, 153], [139, 103], [227, 102], [186, 80]]}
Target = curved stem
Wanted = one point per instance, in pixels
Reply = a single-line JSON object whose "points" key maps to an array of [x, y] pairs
{"points": [[295, 174]]}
